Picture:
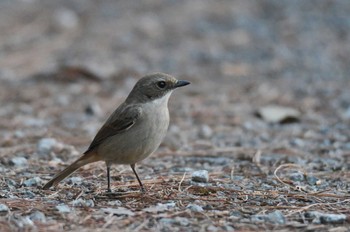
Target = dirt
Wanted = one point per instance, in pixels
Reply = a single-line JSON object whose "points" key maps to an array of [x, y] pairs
{"points": [[66, 65]]}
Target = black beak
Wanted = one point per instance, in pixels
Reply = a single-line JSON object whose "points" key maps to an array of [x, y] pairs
{"points": [[181, 83]]}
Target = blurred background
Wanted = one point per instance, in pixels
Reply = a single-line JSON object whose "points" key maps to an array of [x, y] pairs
{"points": [[271, 76], [63, 61], [211, 39]]}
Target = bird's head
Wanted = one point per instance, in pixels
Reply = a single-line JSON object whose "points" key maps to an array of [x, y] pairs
{"points": [[155, 86]]}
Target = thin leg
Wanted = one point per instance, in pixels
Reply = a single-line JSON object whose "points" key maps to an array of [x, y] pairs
{"points": [[138, 179], [108, 180]]}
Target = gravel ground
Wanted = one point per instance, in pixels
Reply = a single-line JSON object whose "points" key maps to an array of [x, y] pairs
{"points": [[259, 141]]}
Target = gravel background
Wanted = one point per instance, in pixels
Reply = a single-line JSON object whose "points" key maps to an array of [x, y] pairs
{"points": [[66, 65]]}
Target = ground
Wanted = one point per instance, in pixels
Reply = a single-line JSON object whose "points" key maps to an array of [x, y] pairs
{"points": [[66, 65]]}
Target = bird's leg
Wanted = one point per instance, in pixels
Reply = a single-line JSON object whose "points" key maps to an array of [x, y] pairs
{"points": [[138, 179], [108, 179]]}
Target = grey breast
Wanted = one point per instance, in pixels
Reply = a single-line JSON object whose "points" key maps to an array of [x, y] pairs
{"points": [[141, 140]]}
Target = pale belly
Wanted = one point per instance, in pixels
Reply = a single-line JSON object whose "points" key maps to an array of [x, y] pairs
{"points": [[140, 141]]}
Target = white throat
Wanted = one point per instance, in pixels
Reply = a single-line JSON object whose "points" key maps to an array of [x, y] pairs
{"points": [[163, 100]]}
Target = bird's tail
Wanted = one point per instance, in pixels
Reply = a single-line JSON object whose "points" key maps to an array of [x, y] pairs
{"points": [[87, 158]]}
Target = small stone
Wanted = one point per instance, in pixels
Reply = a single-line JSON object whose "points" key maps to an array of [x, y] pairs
{"points": [[35, 181], [228, 228], [200, 176], [93, 109], [29, 194], [347, 114], [205, 132], [160, 207], [298, 142], [84, 203], [237, 178], [212, 228], [118, 211], [267, 186], [167, 221], [19, 161], [275, 217], [4, 208], [34, 122], [46, 145], [195, 208], [19, 134], [115, 203], [75, 180], [38, 216], [22, 222], [297, 176], [63, 208], [236, 214], [312, 180], [278, 114], [66, 18], [325, 218], [11, 183], [182, 221]]}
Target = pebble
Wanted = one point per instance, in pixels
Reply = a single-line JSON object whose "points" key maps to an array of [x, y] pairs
{"points": [[29, 194], [84, 203], [298, 142], [275, 217], [38, 216], [115, 203], [324, 218], [182, 221], [34, 122], [160, 207], [63, 208], [35, 181], [75, 180], [93, 109], [311, 180], [228, 228], [195, 208], [46, 145], [212, 228], [297, 176], [11, 183], [19, 161], [278, 114], [209, 160], [4, 208], [118, 211], [347, 114], [19, 134], [22, 222], [66, 18], [205, 132], [235, 214], [200, 176]]}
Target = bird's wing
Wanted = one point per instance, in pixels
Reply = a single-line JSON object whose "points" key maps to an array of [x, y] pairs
{"points": [[120, 121]]}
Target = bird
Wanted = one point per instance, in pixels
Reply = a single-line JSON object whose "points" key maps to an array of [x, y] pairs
{"points": [[133, 131]]}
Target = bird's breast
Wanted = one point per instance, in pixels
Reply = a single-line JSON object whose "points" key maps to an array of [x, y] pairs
{"points": [[142, 139]]}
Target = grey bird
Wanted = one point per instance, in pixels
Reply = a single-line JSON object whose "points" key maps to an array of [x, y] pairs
{"points": [[133, 131]]}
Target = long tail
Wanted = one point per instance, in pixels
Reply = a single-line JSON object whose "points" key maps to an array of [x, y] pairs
{"points": [[83, 160]]}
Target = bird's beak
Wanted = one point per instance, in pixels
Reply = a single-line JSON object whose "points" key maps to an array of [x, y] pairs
{"points": [[181, 83]]}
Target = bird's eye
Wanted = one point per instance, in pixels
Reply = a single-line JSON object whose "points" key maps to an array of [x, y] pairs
{"points": [[161, 84]]}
